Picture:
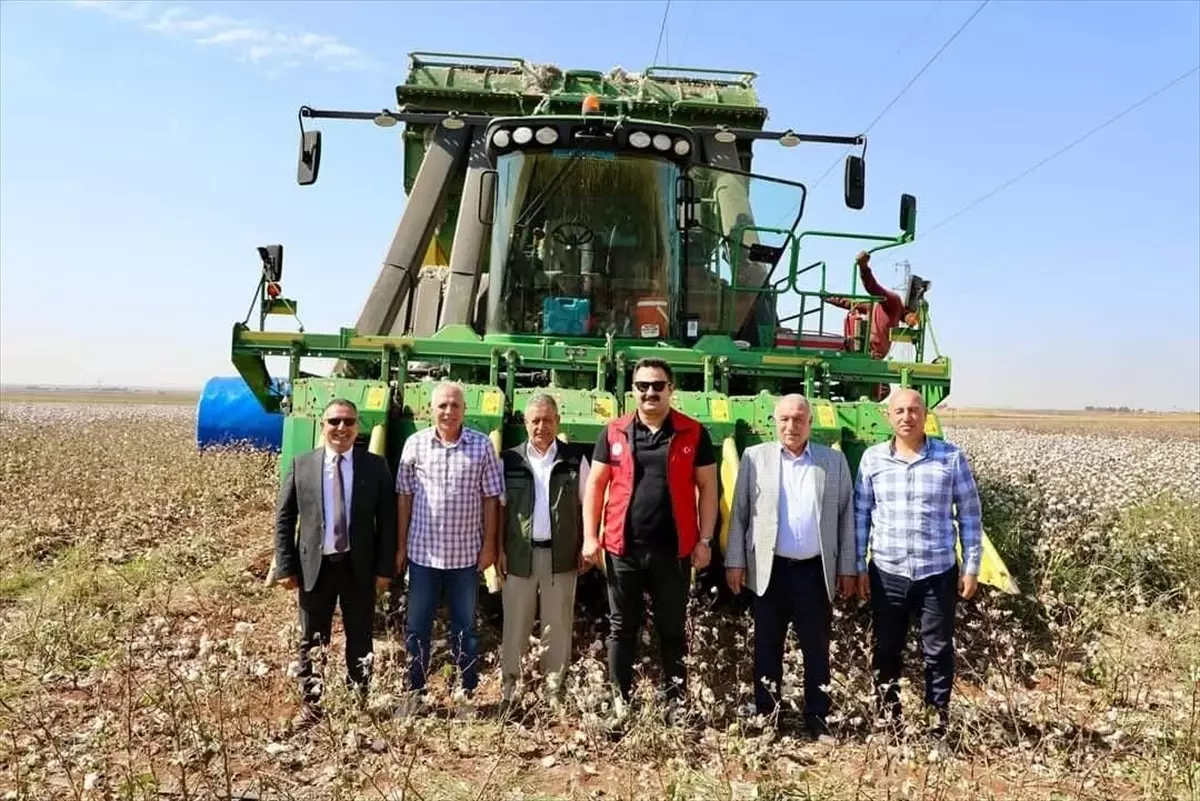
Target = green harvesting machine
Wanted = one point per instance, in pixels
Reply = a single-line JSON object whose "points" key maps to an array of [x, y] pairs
{"points": [[559, 226]]}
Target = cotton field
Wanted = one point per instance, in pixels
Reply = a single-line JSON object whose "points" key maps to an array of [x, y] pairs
{"points": [[141, 653]]}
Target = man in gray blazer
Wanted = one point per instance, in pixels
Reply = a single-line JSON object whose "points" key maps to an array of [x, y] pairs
{"points": [[345, 503], [791, 533]]}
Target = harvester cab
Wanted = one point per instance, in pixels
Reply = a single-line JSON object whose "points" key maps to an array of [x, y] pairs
{"points": [[560, 225]]}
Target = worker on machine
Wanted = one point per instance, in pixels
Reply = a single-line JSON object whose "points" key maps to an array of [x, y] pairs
{"points": [[887, 314]]}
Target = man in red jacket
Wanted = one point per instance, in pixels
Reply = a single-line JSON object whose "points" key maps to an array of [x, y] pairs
{"points": [[887, 314], [651, 462]]}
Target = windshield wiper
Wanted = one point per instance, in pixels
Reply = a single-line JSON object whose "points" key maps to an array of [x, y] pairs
{"points": [[538, 202]]}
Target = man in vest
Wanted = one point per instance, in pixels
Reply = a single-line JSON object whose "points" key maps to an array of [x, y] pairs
{"points": [[541, 541], [651, 462]]}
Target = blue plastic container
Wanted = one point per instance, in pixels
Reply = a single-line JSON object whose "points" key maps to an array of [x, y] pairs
{"points": [[228, 413], [566, 316]]}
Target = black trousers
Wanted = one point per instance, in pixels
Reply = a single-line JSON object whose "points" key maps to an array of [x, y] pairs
{"points": [[666, 578], [337, 585], [894, 600], [795, 594]]}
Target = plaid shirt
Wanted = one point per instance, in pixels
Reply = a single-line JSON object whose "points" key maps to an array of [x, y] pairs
{"points": [[448, 483], [905, 511]]}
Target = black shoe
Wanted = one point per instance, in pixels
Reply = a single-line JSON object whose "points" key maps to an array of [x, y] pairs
{"points": [[816, 725]]}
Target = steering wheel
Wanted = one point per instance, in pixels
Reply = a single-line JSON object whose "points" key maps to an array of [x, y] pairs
{"points": [[572, 234]]}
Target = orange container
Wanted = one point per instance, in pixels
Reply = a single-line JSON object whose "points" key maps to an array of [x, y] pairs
{"points": [[650, 318]]}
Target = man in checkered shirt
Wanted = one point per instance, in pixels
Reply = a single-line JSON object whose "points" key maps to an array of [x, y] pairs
{"points": [[448, 483], [908, 492]]}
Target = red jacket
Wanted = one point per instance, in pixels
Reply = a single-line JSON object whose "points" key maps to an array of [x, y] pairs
{"points": [[888, 314], [681, 482]]}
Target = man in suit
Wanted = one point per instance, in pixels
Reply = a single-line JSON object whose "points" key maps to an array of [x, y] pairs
{"points": [[345, 504], [791, 534]]}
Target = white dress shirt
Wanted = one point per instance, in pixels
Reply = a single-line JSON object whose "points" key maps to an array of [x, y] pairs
{"points": [[327, 479], [799, 528], [541, 464]]}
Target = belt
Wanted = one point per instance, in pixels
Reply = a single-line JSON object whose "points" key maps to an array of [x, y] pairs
{"points": [[336, 557], [799, 562], [541, 543]]}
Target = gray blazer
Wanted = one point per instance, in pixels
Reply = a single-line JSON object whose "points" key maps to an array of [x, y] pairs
{"points": [[372, 519], [755, 524]]}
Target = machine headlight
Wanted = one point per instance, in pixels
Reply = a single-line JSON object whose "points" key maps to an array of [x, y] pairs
{"points": [[547, 136], [501, 138], [662, 142], [682, 147], [522, 135], [639, 139]]}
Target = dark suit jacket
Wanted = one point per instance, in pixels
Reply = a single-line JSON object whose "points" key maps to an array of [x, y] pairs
{"points": [[372, 519]]}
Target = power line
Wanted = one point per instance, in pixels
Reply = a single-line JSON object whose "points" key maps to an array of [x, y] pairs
{"points": [[909, 85], [662, 28], [688, 31], [1062, 150]]}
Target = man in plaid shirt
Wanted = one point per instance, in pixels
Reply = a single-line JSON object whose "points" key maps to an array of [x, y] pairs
{"points": [[908, 493], [448, 483]]}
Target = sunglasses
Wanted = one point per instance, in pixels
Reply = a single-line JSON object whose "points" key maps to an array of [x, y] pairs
{"points": [[334, 422], [646, 386]]}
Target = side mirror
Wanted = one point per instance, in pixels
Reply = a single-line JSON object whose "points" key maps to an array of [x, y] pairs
{"points": [[914, 293], [272, 262], [908, 215], [310, 158], [856, 180], [487, 197]]}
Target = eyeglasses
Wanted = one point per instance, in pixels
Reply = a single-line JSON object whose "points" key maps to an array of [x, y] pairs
{"points": [[334, 422], [646, 386]]}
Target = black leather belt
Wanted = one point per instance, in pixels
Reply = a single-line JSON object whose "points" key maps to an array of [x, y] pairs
{"points": [[541, 543], [811, 560], [336, 557]]}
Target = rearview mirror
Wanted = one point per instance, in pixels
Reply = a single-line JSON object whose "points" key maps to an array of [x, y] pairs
{"points": [[908, 215], [487, 196], [310, 158], [856, 179], [272, 262]]}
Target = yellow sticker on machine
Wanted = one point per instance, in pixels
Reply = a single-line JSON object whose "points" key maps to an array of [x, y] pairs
{"points": [[376, 400], [493, 402], [603, 408], [931, 424], [720, 409], [825, 417]]}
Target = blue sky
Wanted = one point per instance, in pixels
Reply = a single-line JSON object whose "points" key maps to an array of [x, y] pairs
{"points": [[147, 149]]}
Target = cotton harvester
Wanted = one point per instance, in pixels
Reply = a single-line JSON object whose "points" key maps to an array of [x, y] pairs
{"points": [[559, 226]]}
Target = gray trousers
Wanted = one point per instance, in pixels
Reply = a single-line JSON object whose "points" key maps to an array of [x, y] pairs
{"points": [[520, 597]]}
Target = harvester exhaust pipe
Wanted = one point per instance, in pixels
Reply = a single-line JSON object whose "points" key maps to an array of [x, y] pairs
{"points": [[458, 305], [386, 309]]}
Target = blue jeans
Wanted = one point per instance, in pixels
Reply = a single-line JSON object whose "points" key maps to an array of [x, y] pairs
{"points": [[427, 587]]}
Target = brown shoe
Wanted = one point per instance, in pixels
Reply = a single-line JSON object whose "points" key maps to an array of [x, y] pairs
{"points": [[309, 715]]}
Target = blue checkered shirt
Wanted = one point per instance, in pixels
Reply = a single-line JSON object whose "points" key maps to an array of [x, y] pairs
{"points": [[905, 512], [448, 483]]}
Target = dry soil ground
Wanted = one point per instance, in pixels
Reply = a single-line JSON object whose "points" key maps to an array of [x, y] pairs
{"points": [[141, 655]]}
